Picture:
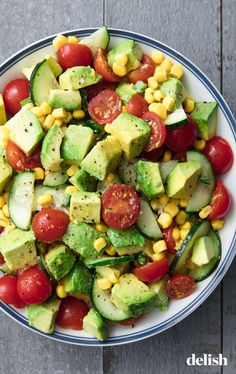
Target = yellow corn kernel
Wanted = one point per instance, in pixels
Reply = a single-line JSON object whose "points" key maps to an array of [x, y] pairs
{"points": [[63, 129], [2, 216], [166, 65], [60, 290], [46, 108], [107, 128], [183, 203], [70, 189], [189, 105], [4, 136], [152, 83], [59, 41], [113, 278], [183, 233], [99, 244], [159, 109], [164, 200], [59, 113], [155, 204], [175, 234], [6, 210], [147, 249], [42, 119], [149, 90], [204, 213], [176, 71], [174, 201], [4, 223], [2, 201], [119, 70], [217, 224], [101, 227], [158, 95], [37, 111], [164, 220], [158, 256], [104, 283], [123, 109], [49, 121], [167, 155], [157, 56], [159, 246], [39, 174], [10, 226], [172, 209], [181, 217], [6, 195], [72, 39], [160, 75], [45, 200], [169, 102], [199, 145], [148, 96], [78, 114], [3, 116], [111, 250], [121, 59], [68, 118], [72, 170], [186, 225], [110, 177], [58, 122]]}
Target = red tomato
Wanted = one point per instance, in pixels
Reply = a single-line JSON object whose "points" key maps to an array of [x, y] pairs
{"points": [[154, 155], [152, 271], [220, 202], [220, 154], [8, 291], [33, 286], [167, 236], [158, 131], [50, 224], [101, 66], [70, 55], [137, 105], [18, 159], [182, 138], [14, 92], [2, 261], [71, 313], [95, 89], [105, 107], [144, 72], [180, 286], [120, 206], [130, 321]]}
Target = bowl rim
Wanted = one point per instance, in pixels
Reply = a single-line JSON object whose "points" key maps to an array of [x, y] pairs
{"points": [[221, 270]]}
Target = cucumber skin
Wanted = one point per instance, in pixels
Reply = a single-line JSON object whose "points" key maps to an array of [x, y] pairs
{"points": [[109, 261]]}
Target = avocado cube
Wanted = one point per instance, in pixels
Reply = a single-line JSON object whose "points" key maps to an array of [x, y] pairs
{"points": [[125, 238], [149, 179], [205, 116], [6, 173], [162, 299], [69, 100], [203, 251], [76, 143], [3, 116], [103, 158], [129, 48], [132, 133], [85, 207], [94, 324], [125, 91], [78, 77], [78, 282], [83, 181], [59, 261], [42, 316], [55, 67], [50, 153], [132, 296], [18, 249], [174, 87], [182, 180]]}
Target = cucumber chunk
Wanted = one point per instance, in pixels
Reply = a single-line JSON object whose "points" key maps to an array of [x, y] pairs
{"points": [[98, 39], [147, 223], [42, 80], [177, 118], [55, 178], [166, 168], [58, 194], [107, 261]]}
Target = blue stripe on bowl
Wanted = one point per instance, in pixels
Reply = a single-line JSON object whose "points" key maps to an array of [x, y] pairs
{"points": [[220, 272]]}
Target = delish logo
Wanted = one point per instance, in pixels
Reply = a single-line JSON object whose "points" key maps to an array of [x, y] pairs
{"points": [[207, 360]]}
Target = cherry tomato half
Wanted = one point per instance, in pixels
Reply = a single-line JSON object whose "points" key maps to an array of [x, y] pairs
{"points": [[8, 291], [101, 66], [120, 206], [14, 92], [154, 155], [130, 321], [152, 271], [18, 159], [71, 313], [2, 261], [220, 154], [180, 286], [33, 286], [105, 107], [137, 105], [167, 236], [220, 202], [50, 224], [70, 55], [144, 72], [183, 137], [95, 89], [158, 131]]}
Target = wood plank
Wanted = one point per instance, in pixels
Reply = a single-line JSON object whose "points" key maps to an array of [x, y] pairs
{"points": [[185, 27]]}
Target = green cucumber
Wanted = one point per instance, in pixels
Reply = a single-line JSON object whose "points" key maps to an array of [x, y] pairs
{"points": [[107, 261], [58, 194], [127, 172], [147, 223], [42, 80], [55, 178], [166, 167], [98, 39], [177, 118]]}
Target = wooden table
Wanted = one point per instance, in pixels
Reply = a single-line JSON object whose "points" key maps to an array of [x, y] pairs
{"points": [[204, 31]]}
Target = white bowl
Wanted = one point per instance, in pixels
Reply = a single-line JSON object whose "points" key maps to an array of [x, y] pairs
{"points": [[200, 88]]}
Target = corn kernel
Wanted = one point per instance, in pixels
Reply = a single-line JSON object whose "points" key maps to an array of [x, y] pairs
{"points": [[155, 204], [6, 195], [152, 83], [10, 226], [110, 177], [68, 118], [174, 201], [60, 290], [3, 116], [158, 95], [183, 233], [63, 129], [39, 174], [183, 203], [104, 283], [111, 250], [169, 102], [164, 200], [4, 136], [166, 65], [217, 224], [113, 278], [199, 145], [159, 246], [59, 113], [72, 170], [159, 109], [181, 217], [123, 109], [157, 56], [164, 220], [3, 217], [186, 225], [37, 111], [4, 223], [5, 210], [49, 121], [70, 189], [101, 227], [2, 201], [149, 90], [59, 41], [158, 256], [46, 108], [119, 70], [167, 155], [148, 248], [172, 209], [149, 97], [175, 234], [205, 212], [160, 75], [78, 114], [121, 59], [45, 200], [72, 39], [189, 105], [99, 244], [42, 119], [107, 128], [58, 122], [176, 71]]}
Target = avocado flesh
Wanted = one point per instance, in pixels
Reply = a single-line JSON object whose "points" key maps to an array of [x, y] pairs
{"points": [[55, 67], [203, 251], [50, 154], [159, 287], [125, 238], [174, 87], [42, 316], [205, 116], [69, 100], [131, 49], [85, 207], [125, 91], [6, 173], [94, 324], [3, 116], [149, 179], [78, 281], [83, 181], [78, 77], [59, 261]]}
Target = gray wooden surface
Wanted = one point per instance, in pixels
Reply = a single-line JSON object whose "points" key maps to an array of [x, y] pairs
{"points": [[204, 31]]}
